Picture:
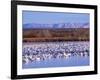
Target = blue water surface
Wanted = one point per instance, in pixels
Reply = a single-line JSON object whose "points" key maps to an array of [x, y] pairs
{"points": [[61, 62]]}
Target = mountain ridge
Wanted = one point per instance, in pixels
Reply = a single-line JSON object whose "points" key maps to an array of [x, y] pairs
{"points": [[56, 25]]}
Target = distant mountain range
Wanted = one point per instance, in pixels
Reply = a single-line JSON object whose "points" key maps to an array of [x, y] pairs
{"points": [[59, 25]]}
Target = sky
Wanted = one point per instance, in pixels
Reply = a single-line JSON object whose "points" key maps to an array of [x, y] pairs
{"points": [[29, 17]]}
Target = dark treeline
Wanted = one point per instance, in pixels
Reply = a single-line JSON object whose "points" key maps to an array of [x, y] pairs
{"points": [[69, 34]]}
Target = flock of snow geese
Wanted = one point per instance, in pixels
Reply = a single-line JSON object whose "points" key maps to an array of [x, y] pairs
{"points": [[54, 50]]}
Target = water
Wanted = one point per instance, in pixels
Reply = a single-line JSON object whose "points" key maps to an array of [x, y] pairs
{"points": [[73, 60]]}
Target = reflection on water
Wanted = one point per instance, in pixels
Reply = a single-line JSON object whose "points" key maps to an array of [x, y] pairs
{"points": [[55, 54]]}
